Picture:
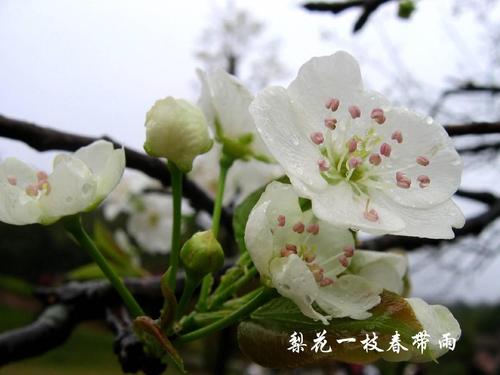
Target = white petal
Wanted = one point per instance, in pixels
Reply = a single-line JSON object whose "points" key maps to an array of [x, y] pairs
{"points": [[421, 137], [350, 296], [292, 279], [226, 99], [330, 243], [340, 206], [336, 76], [436, 320], [278, 199], [231, 100], [205, 101], [106, 163], [72, 188], [432, 222], [95, 155], [111, 173], [382, 268], [283, 131], [16, 207], [24, 174]]}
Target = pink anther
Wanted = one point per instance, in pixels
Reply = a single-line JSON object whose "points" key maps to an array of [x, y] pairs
{"points": [[371, 215], [323, 165], [332, 104], [298, 227], [12, 180], [291, 247], [32, 190], [378, 115], [325, 281], [317, 138], [313, 228], [354, 162], [402, 180], [354, 111], [424, 181], [385, 149], [422, 160], [42, 176], [281, 220], [375, 159], [349, 251], [343, 261], [352, 145], [397, 136], [331, 123]]}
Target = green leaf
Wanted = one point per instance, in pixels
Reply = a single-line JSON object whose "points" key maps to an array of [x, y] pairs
{"points": [[240, 217], [271, 326], [242, 211]]}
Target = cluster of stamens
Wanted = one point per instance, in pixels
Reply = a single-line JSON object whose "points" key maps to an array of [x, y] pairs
{"points": [[308, 253], [354, 160], [42, 186]]}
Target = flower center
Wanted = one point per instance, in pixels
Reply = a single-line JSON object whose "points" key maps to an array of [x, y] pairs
{"points": [[358, 158], [307, 252], [34, 190]]}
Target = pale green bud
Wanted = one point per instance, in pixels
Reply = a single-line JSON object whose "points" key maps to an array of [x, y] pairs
{"points": [[202, 254], [178, 131]]}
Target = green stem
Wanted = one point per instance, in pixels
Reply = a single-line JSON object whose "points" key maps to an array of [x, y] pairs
{"points": [[224, 294], [265, 295], [73, 225], [176, 183], [225, 163], [206, 287], [189, 288]]}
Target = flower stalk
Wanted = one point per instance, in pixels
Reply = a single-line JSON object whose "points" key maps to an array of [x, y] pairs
{"points": [[265, 295], [171, 275], [74, 226]]}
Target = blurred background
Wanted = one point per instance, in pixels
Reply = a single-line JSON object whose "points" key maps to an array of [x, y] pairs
{"points": [[94, 68]]}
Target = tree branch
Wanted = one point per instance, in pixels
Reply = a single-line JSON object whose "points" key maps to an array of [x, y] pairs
{"points": [[43, 139], [473, 128], [466, 88], [50, 330], [369, 7]]}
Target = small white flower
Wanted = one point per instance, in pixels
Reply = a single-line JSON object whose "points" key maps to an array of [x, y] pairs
{"points": [[304, 258], [79, 182], [364, 163], [224, 100], [150, 221], [121, 198]]}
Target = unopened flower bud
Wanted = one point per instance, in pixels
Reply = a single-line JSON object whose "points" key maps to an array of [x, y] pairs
{"points": [[202, 254], [178, 131]]}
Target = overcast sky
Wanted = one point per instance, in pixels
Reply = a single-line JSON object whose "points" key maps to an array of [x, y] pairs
{"points": [[96, 67]]}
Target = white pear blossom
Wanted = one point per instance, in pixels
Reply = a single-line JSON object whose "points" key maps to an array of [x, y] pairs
{"points": [[364, 163], [79, 182], [306, 259], [150, 221], [225, 100], [122, 197]]}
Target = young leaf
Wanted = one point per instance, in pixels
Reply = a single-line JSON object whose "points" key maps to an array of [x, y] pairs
{"points": [[272, 325]]}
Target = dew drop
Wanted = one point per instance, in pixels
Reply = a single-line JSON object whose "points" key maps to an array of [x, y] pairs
{"points": [[86, 188]]}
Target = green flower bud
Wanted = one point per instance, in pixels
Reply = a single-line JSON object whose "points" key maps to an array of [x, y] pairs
{"points": [[202, 254], [178, 131], [406, 8]]}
